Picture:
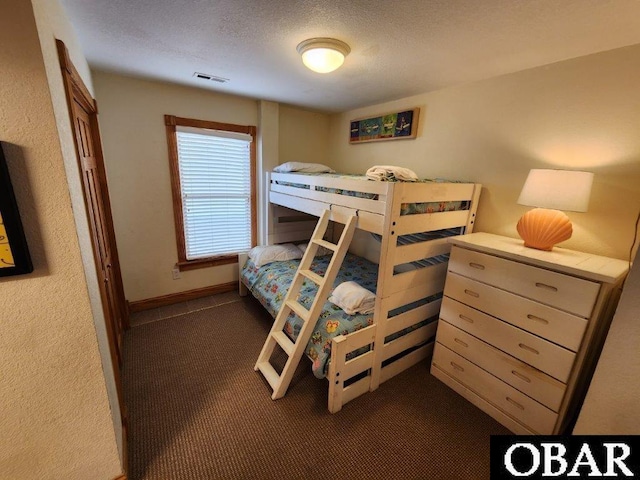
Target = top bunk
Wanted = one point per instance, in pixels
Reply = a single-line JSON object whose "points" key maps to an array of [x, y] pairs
{"points": [[399, 207]]}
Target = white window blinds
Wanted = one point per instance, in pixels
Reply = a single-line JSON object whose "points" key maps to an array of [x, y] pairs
{"points": [[215, 184]]}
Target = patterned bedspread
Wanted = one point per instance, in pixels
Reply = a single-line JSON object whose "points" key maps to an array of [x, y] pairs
{"points": [[270, 283]]}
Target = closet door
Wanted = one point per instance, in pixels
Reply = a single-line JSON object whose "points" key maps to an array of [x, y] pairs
{"points": [[83, 112]]}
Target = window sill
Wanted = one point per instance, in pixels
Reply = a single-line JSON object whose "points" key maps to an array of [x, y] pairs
{"points": [[207, 262]]}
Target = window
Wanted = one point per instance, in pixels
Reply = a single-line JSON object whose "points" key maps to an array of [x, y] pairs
{"points": [[213, 183]]}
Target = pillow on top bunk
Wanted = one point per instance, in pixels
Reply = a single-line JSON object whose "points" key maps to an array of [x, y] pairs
{"points": [[320, 251], [303, 167], [353, 298], [264, 254]]}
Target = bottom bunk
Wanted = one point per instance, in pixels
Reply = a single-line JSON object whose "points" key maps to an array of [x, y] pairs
{"points": [[342, 346]]}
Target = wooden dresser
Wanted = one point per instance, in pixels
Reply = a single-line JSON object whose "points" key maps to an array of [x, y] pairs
{"points": [[520, 329]]}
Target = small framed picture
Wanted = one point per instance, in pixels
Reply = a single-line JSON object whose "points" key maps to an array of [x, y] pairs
{"points": [[14, 253], [390, 126]]}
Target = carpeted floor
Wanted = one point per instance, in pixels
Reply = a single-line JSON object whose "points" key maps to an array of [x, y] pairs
{"points": [[197, 410]]}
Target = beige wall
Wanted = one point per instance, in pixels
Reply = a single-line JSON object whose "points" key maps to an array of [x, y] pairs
{"points": [[612, 405], [135, 149], [578, 114], [303, 135], [268, 157], [53, 24], [56, 420], [131, 114]]}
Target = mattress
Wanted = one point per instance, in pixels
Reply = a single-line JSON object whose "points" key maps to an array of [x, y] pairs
{"points": [[270, 283]]}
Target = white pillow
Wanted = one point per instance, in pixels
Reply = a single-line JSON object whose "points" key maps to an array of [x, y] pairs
{"points": [[264, 254], [320, 251], [352, 298], [303, 167]]}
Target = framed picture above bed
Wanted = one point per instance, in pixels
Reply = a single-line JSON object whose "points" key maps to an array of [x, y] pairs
{"points": [[14, 253], [390, 126]]}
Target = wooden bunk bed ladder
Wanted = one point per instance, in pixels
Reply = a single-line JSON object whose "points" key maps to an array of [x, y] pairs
{"points": [[280, 382]]}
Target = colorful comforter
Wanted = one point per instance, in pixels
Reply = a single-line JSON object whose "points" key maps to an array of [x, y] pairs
{"points": [[270, 283]]}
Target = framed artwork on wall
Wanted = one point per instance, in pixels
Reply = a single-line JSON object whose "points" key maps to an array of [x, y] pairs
{"points": [[390, 126], [14, 253]]}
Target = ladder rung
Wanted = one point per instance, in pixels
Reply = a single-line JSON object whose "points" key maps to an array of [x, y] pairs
{"points": [[314, 277], [269, 373], [323, 243], [285, 342], [298, 309]]}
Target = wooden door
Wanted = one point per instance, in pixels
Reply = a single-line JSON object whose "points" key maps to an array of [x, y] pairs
{"points": [[87, 139], [83, 112], [99, 224]]}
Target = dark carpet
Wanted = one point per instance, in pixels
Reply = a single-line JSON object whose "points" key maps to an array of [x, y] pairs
{"points": [[197, 410]]}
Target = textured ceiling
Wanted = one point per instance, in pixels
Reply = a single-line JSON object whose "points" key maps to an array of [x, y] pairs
{"points": [[398, 48]]}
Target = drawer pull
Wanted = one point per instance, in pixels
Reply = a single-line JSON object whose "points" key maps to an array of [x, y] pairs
{"points": [[472, 293], [513, 402], [538, 319], [465, 318], [528, 348], [520, 376], [477, 266], [457, 367], [546, 287], [457, 340]]}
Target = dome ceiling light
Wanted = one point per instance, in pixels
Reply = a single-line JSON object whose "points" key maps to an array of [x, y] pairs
{"points": [[323, 55]]}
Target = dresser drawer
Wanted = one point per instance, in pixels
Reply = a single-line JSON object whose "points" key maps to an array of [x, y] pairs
{"points": [[512, 402], [562, 291], [549, 323], [543, 355], [528, 380]]}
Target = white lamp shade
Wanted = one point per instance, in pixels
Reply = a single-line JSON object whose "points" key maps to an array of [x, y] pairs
{"points": [[557, 189], [323, 55]]}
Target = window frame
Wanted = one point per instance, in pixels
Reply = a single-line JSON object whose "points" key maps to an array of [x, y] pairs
{"points": [[171, 122]]}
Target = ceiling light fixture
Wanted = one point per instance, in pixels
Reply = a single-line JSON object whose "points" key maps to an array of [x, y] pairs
{"points": [[323, 55]]}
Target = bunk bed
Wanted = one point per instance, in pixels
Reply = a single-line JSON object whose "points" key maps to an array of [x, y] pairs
{"points": [[411, 221]]}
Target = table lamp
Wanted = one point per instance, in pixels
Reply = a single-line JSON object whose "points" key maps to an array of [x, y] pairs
{"points": [[552, 191]]}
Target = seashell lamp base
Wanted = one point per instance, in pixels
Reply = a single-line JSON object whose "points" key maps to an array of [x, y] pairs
{"points": [[542, 228]]}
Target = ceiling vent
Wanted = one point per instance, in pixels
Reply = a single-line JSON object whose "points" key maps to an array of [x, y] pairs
{"points": [[213, 78]]}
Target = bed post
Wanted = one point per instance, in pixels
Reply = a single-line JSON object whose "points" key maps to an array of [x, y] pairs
{"points": [[385, 275], [242, 259], [477, 188], [336, 383], [268, 212]]}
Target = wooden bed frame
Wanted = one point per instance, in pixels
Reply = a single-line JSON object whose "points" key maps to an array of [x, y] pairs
{"points": [[381, 216]]}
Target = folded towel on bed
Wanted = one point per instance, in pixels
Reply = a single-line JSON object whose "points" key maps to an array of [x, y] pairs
{"points": [[352, 298], [263, 254], [303, 167], [385, 173]]}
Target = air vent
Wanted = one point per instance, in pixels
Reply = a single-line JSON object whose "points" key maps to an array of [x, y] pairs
{"points": [[213, 78]]}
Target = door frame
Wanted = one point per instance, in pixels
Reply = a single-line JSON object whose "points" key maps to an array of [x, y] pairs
{"points": [[76, 91]]}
